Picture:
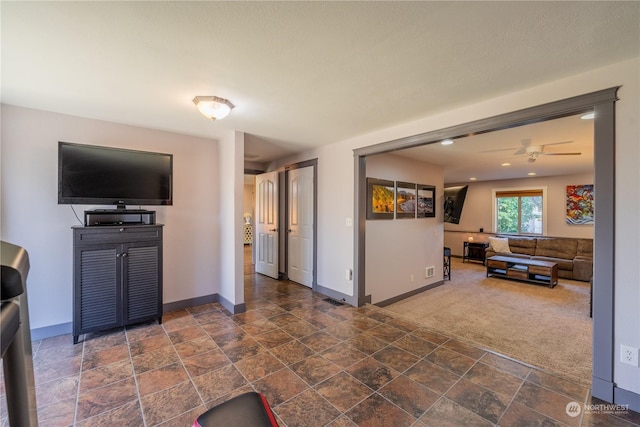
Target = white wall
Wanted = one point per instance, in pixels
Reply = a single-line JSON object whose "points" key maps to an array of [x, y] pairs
{"points": [[230, 221], [627, 226], [336, 178], [477, 211], [401, 248], [31, 217]]}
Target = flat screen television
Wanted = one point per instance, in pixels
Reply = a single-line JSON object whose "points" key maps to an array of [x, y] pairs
{"points": [[453, 203], [95, 175]]}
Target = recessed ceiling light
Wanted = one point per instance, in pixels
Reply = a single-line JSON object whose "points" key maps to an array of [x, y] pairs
{"points": [[588, 116], [531, 174], [447, 142], [506, 164], [472, 179]]}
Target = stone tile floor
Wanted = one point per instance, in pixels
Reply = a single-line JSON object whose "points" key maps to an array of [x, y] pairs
{"points": [[317, 363]]}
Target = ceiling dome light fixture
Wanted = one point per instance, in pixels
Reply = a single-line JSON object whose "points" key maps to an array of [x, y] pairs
{"points": [[588, 116], [447, 142], [213, 107]]}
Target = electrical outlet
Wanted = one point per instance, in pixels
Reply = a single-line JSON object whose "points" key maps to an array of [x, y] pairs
{"points": [[629, 355], [411, 278]]}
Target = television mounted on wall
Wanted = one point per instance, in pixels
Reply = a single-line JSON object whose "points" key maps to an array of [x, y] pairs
{"points": [[453, 203], [96, 175]]}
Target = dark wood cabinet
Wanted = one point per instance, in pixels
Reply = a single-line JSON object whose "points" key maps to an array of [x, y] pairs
{"points": [[117, 276]]}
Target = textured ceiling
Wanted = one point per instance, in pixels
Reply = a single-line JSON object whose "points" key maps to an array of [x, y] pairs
{"points": [[301, 74]]}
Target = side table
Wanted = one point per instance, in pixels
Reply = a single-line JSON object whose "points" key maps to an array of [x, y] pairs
{"points": [[474, 251]]}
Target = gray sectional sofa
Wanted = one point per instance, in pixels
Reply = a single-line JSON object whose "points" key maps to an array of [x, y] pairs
{"points": [[573, 256]]}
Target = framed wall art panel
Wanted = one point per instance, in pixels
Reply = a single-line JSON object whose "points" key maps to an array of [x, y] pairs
{"points": [[580, 204], [426, 201], [380, 198], [405, 200]]}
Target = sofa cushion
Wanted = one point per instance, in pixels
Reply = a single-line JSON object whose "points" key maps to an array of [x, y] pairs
{"points": [[498, 244], [557, 248], [582, 268], [523, 245], [585, 248]]}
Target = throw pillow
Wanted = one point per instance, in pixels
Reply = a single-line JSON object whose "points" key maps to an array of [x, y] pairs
{"points": [[499, 244]]}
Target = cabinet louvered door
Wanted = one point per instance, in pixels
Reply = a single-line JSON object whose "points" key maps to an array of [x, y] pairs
{"points": [[98, 292], [117, 277], [142, 272]]}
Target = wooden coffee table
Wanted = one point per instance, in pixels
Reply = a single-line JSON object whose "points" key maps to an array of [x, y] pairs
{"points": [[528, 270]]}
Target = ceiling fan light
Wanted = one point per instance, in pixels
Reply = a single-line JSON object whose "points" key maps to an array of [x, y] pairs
{"points": [[213, 107], [533, 150]]}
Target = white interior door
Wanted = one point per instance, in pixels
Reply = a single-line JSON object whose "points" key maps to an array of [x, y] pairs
{"points": [[300, 226], [266, 223]]}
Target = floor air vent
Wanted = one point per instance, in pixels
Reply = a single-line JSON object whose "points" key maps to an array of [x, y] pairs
{"points": [[332, 301]]}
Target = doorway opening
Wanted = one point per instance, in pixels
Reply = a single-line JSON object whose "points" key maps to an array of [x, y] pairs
{"points": [[248, 225], [285, 223], [602, 103]]}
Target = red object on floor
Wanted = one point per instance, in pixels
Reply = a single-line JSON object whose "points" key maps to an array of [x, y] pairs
{"points": [[248, 410]]}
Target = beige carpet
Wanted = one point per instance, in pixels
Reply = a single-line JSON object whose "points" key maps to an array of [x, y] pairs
{"points": [[547, 328]]}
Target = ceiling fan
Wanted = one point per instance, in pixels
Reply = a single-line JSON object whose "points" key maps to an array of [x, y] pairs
{"points": [[533, 151]]}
